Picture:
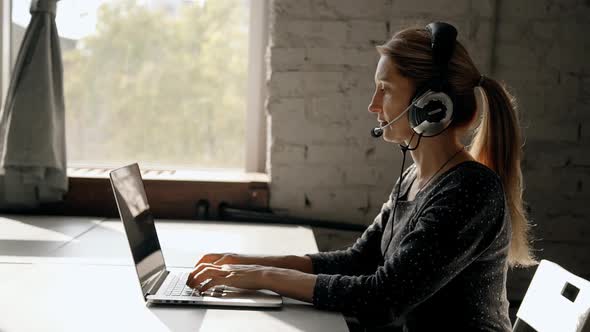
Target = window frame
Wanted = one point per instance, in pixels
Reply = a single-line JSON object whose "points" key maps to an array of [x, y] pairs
{"points": [[256, 139], [5, 51], [93, 195]]}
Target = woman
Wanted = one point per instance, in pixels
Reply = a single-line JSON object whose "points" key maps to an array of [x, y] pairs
{"points": [[439, 261]]}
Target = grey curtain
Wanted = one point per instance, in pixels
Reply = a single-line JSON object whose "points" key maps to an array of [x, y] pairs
{"points": [[32, 124]]}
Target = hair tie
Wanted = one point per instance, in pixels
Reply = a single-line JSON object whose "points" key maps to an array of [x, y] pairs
{"points": [[481, 78]]}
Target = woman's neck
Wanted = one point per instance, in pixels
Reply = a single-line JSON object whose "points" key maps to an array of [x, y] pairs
{"points": [[433, 152]]}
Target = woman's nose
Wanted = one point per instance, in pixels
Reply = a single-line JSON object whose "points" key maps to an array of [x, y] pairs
{"points": [[374, 107], [376, 101]]}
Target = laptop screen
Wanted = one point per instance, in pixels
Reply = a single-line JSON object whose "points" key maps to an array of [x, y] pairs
{"points": [[139, 224]]}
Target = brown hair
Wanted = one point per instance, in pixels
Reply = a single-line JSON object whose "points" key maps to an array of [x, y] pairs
{"points": [[496, 141]]}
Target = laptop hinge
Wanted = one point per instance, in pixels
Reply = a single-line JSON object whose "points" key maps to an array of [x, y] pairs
{"points": [[156, 285]]}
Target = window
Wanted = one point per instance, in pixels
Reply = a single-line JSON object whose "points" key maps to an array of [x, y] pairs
{"points": [[168, 83]]}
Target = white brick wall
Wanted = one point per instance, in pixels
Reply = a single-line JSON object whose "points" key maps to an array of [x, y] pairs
{"points": [[323, 163]]}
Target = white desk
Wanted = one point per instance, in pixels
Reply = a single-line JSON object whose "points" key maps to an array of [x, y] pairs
{"points": [[45, 263]]}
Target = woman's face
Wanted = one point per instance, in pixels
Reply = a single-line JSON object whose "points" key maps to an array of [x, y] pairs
{"points": [[392, 96]]}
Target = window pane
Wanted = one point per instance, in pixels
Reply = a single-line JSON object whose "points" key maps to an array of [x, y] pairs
{"points": [[162, 82]]}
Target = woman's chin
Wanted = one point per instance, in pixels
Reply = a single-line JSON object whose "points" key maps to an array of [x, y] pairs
{"points": [[392, 136], [389, 139]]}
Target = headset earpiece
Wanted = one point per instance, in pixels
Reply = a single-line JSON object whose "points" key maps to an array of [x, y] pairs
{"points": [[432, 107], [431, 113]]}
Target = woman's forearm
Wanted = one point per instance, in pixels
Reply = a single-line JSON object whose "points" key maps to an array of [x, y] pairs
{"points": [[292, 262], [291, 283]]}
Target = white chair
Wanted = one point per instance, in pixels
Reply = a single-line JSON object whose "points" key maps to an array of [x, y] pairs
{"points": [[556, 300]]}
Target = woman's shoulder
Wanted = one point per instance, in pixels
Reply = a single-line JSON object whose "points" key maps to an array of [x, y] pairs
{"points": [[471, 168], [470, 190], [474, 174], [472, 179]]}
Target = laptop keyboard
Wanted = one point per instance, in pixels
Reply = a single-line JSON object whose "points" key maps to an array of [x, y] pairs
{"points": [[178, 287]]}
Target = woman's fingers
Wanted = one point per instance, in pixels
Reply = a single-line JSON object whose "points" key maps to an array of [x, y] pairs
{"points": [[210, 272], [218, 259], [209, 258], [198, 269], [240, 276], [203, 266], [225, 280]]}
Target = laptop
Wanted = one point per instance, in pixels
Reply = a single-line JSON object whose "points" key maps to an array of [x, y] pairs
{"points": [[160, 284]]}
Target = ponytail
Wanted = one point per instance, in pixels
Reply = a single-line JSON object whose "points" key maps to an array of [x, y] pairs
{"points": [[497, 143]]}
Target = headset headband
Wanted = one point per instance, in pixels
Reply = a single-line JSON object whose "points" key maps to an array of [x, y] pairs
{"points": [[443, 36]]}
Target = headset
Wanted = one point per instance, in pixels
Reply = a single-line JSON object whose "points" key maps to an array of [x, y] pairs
{"points": [[431, 108], [432, 105]]}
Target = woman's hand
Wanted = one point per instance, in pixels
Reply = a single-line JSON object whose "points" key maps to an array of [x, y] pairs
{"points": [[221, 259], [291, 283], [234, 275]]}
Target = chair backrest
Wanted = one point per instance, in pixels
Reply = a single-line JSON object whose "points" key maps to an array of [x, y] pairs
{"points": [[556, 300]]}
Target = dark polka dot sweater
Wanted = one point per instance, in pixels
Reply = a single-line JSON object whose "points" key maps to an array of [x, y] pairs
{"points": [[445, 269]]}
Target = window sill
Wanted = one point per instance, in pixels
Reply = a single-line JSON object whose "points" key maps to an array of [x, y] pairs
{"points": [[198, 175], [172, 194]]}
